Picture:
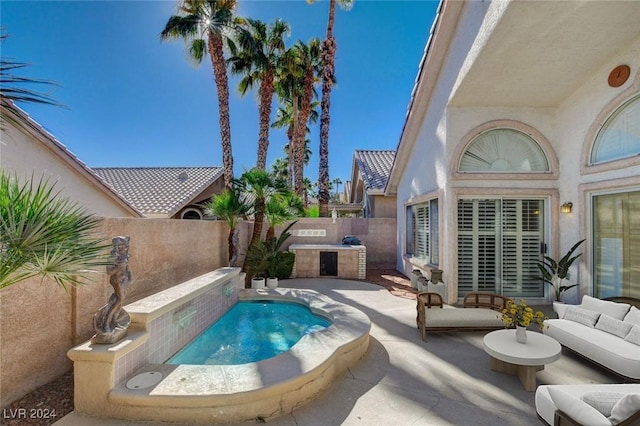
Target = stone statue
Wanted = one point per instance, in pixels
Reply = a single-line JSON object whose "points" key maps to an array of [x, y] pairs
{"points": [[111, 321]]}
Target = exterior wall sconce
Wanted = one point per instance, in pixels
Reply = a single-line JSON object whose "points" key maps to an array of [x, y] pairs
{"points": [[566, 207]]}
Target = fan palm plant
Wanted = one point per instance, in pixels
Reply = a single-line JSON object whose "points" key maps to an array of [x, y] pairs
{"points": [[328, 58], [257, 58], [204, 26], [42, 234], [280, 209], [227, 206]]}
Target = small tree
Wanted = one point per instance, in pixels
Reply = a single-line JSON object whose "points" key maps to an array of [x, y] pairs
{"points": [[555, 272], [228, 207], [42, 234]]}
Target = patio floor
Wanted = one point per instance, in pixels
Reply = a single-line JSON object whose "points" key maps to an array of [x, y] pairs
{"points": [[405, 381]]}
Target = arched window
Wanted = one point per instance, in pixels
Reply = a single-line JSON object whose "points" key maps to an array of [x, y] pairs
{"points": [[619, 137], [191, 213], [503, 151]]}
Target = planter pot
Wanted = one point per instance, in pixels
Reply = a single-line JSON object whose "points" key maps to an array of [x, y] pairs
{"points": [[257, 283], [521, 334], [272, 282], [415, 274]]}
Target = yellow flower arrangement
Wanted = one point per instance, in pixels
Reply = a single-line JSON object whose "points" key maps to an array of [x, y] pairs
{"points": [[521, 315]]}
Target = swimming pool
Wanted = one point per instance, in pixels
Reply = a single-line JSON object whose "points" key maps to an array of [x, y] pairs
{"points": [[251, 331]]}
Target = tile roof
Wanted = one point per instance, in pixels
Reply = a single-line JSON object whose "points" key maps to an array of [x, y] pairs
{"points": [[374, 167], [159, 190]]}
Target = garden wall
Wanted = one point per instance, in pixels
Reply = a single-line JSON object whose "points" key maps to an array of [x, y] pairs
{"points": [[40, 322]]}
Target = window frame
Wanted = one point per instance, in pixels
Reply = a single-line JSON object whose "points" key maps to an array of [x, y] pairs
{"points": [[613, 118], [431, 255]]}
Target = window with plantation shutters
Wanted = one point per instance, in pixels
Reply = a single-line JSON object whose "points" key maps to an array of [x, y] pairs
{"points": [[422, 230], [499, 244], [620, 134]]}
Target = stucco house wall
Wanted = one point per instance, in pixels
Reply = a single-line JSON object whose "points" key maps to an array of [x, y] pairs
{"points": [[442, 121]]}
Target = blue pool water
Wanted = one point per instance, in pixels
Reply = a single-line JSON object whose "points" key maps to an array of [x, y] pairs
{"points": [[250, 332]]}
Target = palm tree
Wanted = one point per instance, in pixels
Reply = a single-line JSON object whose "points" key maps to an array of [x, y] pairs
{"points": [[289, 91], [328, 58], [280, 209], [227, 206], [256, 187], [204, 25], [261, 47], [284, 118], [337, 182], [310, 61], [44, 235]]}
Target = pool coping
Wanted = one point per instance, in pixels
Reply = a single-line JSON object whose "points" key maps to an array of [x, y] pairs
{"points": [[269, 388]]}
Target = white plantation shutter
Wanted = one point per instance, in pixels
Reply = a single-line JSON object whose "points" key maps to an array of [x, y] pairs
{"points": [[521, 240], [498, 245], [423, 240]]}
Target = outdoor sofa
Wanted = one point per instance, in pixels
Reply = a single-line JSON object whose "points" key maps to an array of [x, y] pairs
{"points": [[606, 332], [589, 404], [480, 311]]}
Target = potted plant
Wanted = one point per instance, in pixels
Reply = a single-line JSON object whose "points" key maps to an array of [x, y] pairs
{"points": [[521, 316], [556, 273], [263, 259]]}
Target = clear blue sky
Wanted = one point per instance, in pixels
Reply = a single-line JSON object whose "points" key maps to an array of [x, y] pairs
{"points": [[134, 101]]}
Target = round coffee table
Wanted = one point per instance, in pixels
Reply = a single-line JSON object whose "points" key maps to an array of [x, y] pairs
{"points": [[521, 359]]}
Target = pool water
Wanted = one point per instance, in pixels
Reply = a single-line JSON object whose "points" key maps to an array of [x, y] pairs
{"points": [[250, 332]]}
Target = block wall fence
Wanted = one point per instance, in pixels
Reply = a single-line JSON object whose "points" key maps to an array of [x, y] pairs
{"points": [[40, 322]]}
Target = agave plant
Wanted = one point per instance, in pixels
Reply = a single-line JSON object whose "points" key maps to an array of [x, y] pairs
{"points": [[555, 272], [43, 234]]}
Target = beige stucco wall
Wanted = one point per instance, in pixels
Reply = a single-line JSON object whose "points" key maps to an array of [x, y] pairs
{"points": [[23, 152], [384, 206], [40, 322]]}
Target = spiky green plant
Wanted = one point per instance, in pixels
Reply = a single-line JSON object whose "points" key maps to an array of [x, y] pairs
{"points": [[554, 272], [228, 206], [43, 234]]}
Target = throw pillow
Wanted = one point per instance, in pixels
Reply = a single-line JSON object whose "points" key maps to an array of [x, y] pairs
{"points": [[625, 408], [613, 326], [583, 316], [577, 409], [633, 316], [613, 309], [602, 401], [634, 335]]}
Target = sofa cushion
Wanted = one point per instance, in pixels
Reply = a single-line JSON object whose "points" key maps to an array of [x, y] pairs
{"points": [[633, 316], [582, 316], [602, 401], [625, 408], [613, 326], [462, 317], [577, 409], [634, 335], [613, 309]]}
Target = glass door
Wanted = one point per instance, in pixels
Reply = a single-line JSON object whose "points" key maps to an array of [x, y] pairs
{"points": [[499, 245]]}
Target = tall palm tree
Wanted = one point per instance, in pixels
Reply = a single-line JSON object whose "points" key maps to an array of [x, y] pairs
{"points": [[284, 118], [227, 206], [258, 56], [311, 64], [44, 235], [289, 91], [204, 25], [328, 57]]}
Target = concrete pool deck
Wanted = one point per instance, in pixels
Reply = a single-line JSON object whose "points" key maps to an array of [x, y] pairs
{"points": [[404, 381]]}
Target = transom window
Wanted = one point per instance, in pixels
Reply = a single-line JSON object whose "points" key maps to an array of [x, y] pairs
{"points": [[503, 151], [619, 137]]}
